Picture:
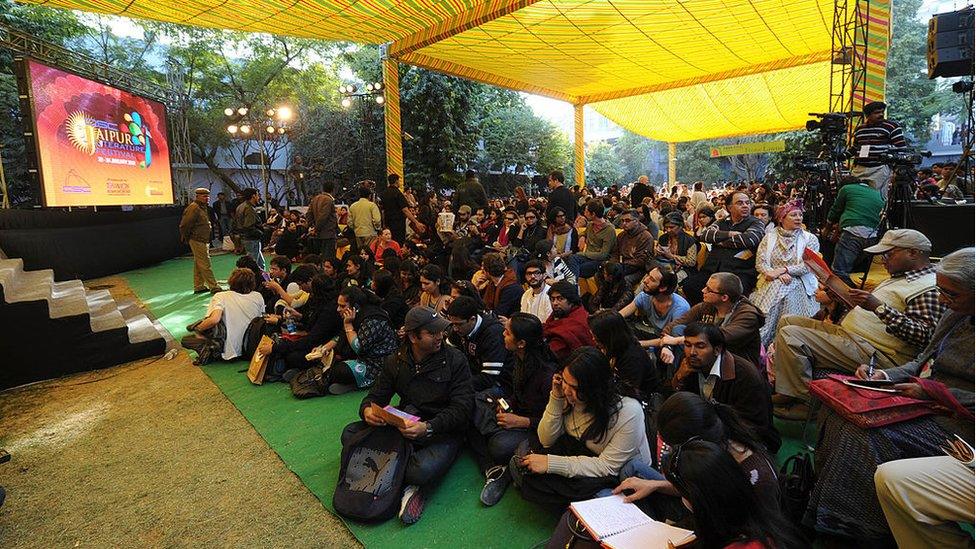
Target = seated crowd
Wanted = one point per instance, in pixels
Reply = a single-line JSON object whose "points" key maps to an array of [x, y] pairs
{"points": [[630, 343]]}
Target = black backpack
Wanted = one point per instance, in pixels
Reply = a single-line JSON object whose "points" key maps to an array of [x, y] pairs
{"points": [[796, 479], [252, 336], [374, 463]]}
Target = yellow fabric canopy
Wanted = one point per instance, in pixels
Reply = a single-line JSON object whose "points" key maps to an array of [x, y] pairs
{"points": [[673, 70]]}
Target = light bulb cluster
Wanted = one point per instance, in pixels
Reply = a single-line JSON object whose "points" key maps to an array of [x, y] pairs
{"points": [[239, 125]]}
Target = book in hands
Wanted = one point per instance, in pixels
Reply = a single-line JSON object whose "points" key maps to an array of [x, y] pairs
{"points": [[834, 285], [620, 525], [393, 416]]}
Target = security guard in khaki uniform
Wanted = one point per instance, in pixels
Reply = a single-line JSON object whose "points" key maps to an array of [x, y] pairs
{"points": [[195, 229]]}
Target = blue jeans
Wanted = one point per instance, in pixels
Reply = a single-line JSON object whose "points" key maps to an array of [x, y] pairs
{"points": [[636, 467], [253, 249], [429, 462], [582, 266], [846, 252]]}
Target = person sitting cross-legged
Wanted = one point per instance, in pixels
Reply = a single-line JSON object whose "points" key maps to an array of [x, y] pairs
{"points": [[587, 433], [433, 382], [601, 238], [892, 323], [506, 418], [726, 307]]}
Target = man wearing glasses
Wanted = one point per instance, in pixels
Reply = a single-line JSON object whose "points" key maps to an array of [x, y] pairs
{"points": [[734, 242], [535, 300], [892, 323]]}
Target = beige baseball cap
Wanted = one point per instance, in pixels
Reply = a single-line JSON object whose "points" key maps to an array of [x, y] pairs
{"points": [[901, 238]]}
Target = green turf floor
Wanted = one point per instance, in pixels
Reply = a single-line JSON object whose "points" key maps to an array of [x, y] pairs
{"points": [[305, 434]]}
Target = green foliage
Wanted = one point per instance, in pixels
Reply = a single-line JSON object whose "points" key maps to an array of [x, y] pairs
{"points": [[912, 98], [695, 163], [602, 166], [633, 151], [57, 26], [798, 143]]}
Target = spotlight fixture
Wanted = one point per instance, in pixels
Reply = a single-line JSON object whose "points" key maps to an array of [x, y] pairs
{"points": [[369, 87], [245, 129], [270, 129], [380, 100], [346, 103], [377, 86], [270, 112], [229, 111], [232, 129], [242, 111], [281, 131], [284, 113]]}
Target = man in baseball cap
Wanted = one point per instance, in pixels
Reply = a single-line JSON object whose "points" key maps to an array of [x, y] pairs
{"points": [[434, 384], [892, 323], [908, 239]]}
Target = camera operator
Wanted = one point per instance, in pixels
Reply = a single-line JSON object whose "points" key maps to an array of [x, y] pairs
{"points": [[879, 135]]}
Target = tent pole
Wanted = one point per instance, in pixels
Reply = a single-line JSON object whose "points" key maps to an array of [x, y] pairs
{"points": [[672, 164], [391, 117], [578, 146]]}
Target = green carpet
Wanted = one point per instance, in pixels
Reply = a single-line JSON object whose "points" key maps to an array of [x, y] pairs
{"points": [[305, 434]]}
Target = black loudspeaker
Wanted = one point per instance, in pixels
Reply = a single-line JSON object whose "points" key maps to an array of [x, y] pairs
{"points": [[950, 44], [948, 226]]}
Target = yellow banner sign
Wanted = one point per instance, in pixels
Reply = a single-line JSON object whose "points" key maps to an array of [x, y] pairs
{"points": [[748, 148]]}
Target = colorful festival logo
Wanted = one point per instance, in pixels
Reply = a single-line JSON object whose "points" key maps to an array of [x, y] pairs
{"points": [[111, 143]]}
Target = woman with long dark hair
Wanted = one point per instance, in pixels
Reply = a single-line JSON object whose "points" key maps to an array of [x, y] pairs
{"points": [[409, 282], [435, 288], [466, 288], [634, 368], [319, 320], [367, 339], [385, 288], [508, 418], [588, 432], [685, 416], [727, 511], [357, 272], [612, 292]]}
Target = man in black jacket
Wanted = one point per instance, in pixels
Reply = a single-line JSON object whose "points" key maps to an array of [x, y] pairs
{"points": [[734, 242], [434, 383], [561, 197], [482, 340], [711, 371]]}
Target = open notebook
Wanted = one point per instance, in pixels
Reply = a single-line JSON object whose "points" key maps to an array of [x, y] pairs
{"points": [[620, 525]]}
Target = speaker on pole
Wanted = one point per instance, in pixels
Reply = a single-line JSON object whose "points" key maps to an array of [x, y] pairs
{"points": [[950, 44]]}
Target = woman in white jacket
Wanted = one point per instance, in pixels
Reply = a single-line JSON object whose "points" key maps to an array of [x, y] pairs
{"points": [[786, 286], [587, 433]]}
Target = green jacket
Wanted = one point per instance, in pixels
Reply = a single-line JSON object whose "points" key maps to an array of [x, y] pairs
{"points": [[600, 243], [857, 204]]}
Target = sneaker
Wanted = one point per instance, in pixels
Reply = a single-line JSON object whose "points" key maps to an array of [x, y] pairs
{"points": [[216, 289], [412, 504], [796, 412], [201, 291], [315, 353], [497, 481]]}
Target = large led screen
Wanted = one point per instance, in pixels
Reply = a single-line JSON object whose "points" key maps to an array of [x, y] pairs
{"points": [[97, 145]]}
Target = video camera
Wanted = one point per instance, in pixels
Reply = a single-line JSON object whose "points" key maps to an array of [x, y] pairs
{"points": [[830, 122], [811, 164], [907, 157]]}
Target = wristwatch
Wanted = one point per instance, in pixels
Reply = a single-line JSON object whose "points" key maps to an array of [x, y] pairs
{"points": [[879, 309], [429, 431]]}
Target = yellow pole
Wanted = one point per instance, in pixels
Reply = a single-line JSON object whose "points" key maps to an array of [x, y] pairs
{"points": [[394, 143], [579, 149], [672, 164]]}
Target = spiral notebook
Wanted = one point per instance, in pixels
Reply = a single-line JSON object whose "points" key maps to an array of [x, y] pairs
{"points": [[620, 525]]}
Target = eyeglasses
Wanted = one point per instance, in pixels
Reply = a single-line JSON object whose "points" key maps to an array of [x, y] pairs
{"points": [[533, 273], [672, 473], [711, 291], [947, 293]]}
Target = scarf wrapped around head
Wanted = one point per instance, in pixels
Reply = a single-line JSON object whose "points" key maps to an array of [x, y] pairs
{"points": [[785, 209]]}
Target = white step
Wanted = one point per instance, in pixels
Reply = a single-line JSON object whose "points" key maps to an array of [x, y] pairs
{"points": [[104, 311]]}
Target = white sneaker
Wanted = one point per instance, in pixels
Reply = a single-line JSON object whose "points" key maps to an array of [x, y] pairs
{"points": [[412, 505]]}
